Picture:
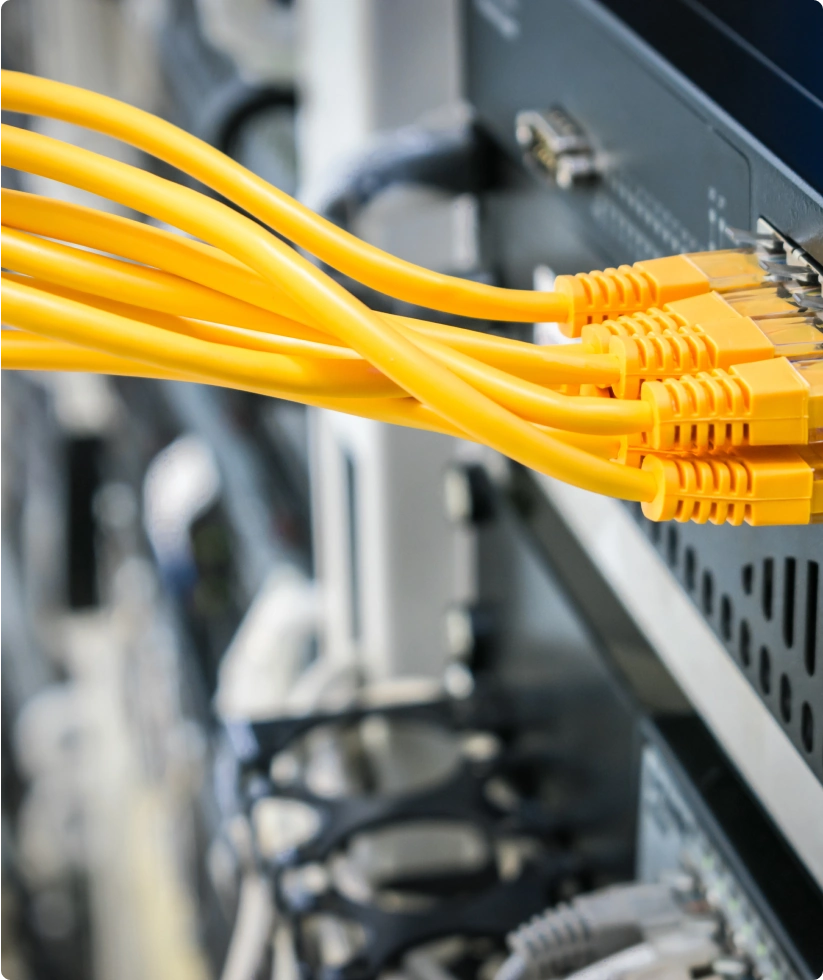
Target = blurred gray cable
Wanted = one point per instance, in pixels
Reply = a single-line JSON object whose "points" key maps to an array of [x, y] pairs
{"points": [[570, 936]]}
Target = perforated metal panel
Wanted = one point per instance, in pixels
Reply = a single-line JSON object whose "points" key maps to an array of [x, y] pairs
{"points": [[678, 170], [760, 590]]}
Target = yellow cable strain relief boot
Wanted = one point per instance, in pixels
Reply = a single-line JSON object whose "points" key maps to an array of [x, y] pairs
{"points": [[796, 336], [596, 337], [597, 296], [761, 487], [761, 304], [687, 336], [765, 403]]}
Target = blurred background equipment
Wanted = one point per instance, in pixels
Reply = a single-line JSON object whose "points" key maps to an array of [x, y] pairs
{"points": [[293, 694]]}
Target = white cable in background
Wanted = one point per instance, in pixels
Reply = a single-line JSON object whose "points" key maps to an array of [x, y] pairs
{"points": [[252, 928]]}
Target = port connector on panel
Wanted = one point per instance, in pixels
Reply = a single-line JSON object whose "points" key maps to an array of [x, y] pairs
{"points": [[687, 916], [798, 274], [795, 256], [672, 842], [555, 146]]}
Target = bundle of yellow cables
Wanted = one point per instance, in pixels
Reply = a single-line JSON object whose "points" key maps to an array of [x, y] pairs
{"points": [[248, 311]]}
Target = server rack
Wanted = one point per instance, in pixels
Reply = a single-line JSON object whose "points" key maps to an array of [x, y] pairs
{"points": [[694, 118]]}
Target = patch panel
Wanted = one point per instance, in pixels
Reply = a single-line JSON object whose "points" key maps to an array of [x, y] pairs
{"points": [[671, 840]]}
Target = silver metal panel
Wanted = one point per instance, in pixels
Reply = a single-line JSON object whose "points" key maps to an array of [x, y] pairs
{"points": [[749, 734]]}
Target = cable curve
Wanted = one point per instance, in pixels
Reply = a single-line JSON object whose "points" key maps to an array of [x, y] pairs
{"points": [[328, 305], [339, 249]]}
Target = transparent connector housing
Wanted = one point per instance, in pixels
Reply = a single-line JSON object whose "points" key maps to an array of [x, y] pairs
{"points": [[729, 269], [811, 372], [813, 457], [762, 303], [596, 297], [795, 337], [806, 297]]}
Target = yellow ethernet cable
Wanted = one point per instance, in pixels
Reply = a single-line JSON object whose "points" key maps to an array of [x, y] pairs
{"points": [[197, 262], [597, 296], [128, 287], [52, 315], [205, 330], [765, 403], [685, 336], [327, 304], [23, 351], [582, 299], [759, 487], [41, 97], [702, 333], [698, 389], [163, 300], [149, 288]]}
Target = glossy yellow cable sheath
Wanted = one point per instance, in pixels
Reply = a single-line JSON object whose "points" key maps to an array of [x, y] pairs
{"points": [[43, 353], [594, 416], [532, 402], [211, 267], [153, 290], [139, 242], [214, 332], [22, 351], [341, 250], [328, 305], [600, 416], [550, 365], [38, 311], [159, 291]]}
